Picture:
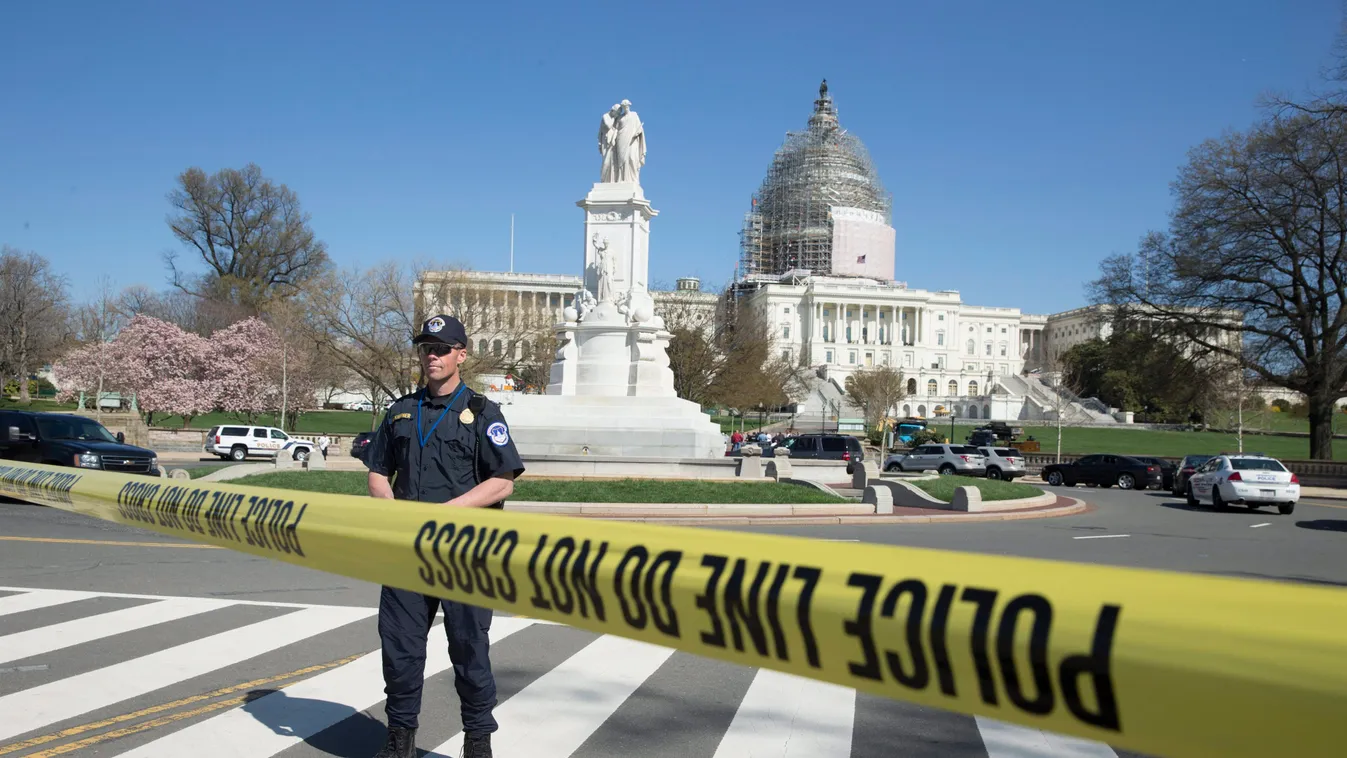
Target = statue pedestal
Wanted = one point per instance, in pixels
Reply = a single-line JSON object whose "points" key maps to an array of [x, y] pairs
{"points": [[606, 355], [611, 391]]}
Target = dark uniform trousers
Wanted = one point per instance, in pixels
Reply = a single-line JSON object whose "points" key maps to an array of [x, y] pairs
{"points": [[405, 619]]}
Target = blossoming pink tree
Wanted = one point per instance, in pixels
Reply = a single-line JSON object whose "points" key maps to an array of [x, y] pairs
{"points": [[168, 369]]}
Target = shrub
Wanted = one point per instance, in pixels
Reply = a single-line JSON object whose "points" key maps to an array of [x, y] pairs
{"points": [[926, 436]]}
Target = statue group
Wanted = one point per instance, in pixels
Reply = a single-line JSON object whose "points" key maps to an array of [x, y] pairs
{"points": [[622, 144]]}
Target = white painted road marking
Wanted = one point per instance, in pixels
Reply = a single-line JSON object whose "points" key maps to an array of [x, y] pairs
{"points": [[1004, 740], [1265, 523], [62, 699], [304, 709], [787, 715], [555, 714], [34, 599], [1099, 536]]}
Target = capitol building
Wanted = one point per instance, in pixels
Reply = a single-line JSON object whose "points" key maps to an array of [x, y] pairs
{"points": [[817, 262]]}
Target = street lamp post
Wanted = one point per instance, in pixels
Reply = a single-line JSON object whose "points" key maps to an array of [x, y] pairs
{"points": [[952, 416]]}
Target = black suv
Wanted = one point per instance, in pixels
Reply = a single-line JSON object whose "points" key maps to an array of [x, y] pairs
{"points": [[61, 439], [827, 447]]}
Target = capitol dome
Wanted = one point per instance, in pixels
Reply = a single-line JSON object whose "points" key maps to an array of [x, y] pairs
{"points": [[822, 206]]}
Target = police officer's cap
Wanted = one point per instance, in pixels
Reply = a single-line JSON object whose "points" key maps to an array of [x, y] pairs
{"points": [[443, 329]]}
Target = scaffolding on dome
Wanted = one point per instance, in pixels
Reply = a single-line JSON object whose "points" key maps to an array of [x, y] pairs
{"points": [[790, 225]]}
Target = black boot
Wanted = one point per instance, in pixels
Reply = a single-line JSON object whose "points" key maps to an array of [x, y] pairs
{"points": [[477, 745], [401, 743]]}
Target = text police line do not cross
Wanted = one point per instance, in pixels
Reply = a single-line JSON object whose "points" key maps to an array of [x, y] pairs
{"points": [[765, 609], [1107, 653]]}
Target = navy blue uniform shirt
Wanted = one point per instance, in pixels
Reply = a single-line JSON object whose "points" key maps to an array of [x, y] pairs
{"points": [[455, 456]]}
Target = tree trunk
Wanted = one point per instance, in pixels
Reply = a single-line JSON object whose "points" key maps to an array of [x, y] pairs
{"points": [[1321, 427]]}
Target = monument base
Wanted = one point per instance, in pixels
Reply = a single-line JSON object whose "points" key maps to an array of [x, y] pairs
{"points": [[639, 427]]}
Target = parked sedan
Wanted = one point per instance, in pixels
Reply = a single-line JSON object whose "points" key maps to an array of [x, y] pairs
{"points": [[1186, 467], [1167, 469], [360, 444], [1105, 471]]}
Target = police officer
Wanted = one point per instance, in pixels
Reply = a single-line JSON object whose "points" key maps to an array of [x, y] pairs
{"points": [[441, 444]]}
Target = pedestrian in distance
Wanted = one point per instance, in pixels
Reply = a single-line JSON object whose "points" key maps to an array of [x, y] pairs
{"points": [[323, 442], [444, 444]]}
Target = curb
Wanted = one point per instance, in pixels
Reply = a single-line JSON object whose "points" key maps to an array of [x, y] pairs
{"points": [[1076, 507]]}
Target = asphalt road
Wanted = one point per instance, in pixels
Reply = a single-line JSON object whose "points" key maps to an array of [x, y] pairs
{"points": [[225, 667]]}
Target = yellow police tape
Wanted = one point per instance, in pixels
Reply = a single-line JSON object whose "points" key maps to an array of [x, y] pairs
{"points": [[1164, 663]]}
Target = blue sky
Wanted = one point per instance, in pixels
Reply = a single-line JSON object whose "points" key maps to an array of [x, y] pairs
{"points": [[1022, 142]]}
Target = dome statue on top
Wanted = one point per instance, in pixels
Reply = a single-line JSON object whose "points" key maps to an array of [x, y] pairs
{"points": [[622, 144]]}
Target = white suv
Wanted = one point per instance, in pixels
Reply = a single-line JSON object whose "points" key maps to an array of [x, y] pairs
{"points": [[238, 442], [946, 459], [1244, 478]]}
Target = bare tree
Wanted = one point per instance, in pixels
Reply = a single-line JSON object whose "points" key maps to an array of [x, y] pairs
{"points": [[252, 234], [1259, 231], [191, 313], [33, 315], [363, 321], [876, 391]]}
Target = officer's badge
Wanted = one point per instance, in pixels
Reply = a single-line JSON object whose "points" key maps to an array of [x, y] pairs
{"points": [[434, 325], [401, 416], [466, 416], [498, 433]]}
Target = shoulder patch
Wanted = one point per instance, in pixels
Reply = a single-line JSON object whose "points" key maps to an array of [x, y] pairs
{"points": [[498, 433], [401, 416]]}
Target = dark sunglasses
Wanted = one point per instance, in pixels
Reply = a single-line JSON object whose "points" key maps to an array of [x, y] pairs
{"points": [[437, 350]]}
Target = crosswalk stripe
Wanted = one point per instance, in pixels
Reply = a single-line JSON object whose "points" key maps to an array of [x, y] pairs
{"points": [[40, 706], [1011, 741], [31, 601], [555, 714], [787, 715], [287, 717], [45, 639]]}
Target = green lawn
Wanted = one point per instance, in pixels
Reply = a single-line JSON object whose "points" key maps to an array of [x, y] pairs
{"points": [[37, 405], [196, 472], [942, 488], [556, 490]]}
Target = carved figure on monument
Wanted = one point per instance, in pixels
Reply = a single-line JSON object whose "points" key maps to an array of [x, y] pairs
{"points": [[581, 304], [607, 136], [604, 264], [622, 144]]}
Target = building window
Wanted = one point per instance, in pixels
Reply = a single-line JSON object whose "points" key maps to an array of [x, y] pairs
{"points": [[848, 333], [940, 362], [988, 350], [886, 358], [953, 387], [481, 347], [1003, 330], [940, 317], [1004, 369], [785, 332], [972, 389], [497, 348], [1003, 349], [869, 358], [989, 330], [865, 334], [788, 313], [971, 366], [931, 387], [826, 332], [940, 338], [972, 348], [851, 357], [911, 386], [785, 356], [827, 356], [907, 362]]}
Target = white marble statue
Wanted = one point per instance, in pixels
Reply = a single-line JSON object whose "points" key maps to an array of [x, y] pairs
{"points": [[622, 144], [603, 263]]}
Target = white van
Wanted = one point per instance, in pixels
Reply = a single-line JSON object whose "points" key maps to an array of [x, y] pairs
{"points": [[237, 442]]}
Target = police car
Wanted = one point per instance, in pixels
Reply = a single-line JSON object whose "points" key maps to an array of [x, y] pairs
{"points": [[1248, 479], [237, 442]]}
